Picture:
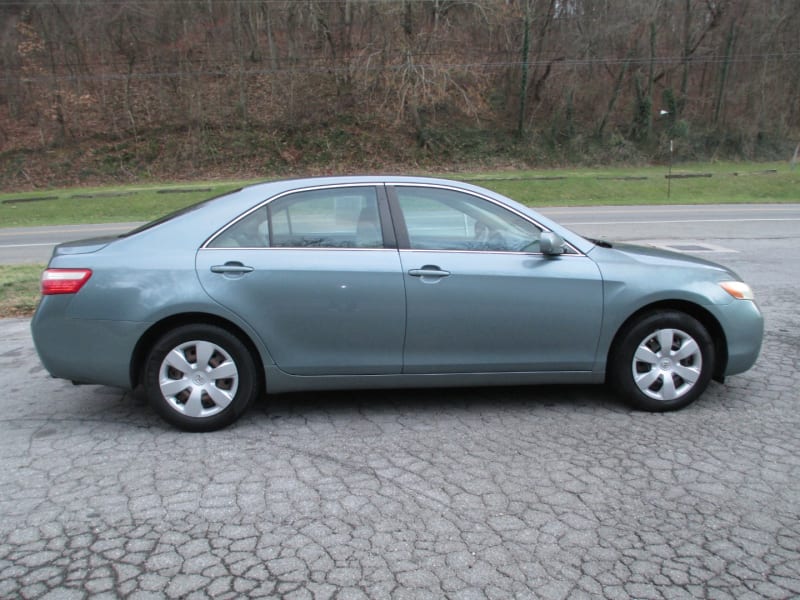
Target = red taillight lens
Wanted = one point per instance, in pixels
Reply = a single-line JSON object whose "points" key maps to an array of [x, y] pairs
{"points": [[64, 281]]}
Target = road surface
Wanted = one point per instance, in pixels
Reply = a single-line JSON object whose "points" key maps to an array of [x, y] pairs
{"points": [[34, 244], [544, 492]]}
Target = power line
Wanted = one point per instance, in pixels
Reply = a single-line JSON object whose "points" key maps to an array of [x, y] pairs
{"points": [[318, 65], [299, 63]]}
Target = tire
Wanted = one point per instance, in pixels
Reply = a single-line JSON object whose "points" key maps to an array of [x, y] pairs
{"points": [[200, 377], [662, 361]]}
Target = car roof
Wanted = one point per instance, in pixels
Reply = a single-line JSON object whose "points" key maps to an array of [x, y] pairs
{"points": [[280, 185]]}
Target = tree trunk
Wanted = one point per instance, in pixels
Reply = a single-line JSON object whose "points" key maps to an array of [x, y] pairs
{"points": [[523, 86], [723, 76]]}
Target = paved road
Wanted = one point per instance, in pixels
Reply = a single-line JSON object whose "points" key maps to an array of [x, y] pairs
{"points": [[552, 492], [34, 244], [680, 222]]}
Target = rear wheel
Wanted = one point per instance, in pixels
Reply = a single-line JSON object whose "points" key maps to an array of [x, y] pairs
{"points": [[200, 377], [663, 361]]}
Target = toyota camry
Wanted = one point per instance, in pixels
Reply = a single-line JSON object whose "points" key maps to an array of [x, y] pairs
{"points": [[382, 282]]}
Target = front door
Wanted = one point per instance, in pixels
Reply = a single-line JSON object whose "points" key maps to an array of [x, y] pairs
{"points": [[481, 298]]}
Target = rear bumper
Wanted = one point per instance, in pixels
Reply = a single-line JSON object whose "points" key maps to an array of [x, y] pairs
{"points": [[84, 350]]}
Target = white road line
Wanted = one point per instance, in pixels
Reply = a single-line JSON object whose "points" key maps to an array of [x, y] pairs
{"points": [[674, 208], [566, 222], [65, 230]]}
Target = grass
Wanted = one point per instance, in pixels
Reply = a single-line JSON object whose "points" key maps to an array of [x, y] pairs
{"points": [[115, 204], [729, 183], [19, 289]]}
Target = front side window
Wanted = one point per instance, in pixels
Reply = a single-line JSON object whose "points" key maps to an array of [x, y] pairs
{"points": [[441, 219], [326, 218]]}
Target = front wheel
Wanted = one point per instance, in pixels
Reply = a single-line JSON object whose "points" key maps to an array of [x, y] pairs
{"points": [[663, 361], [200, 377]]}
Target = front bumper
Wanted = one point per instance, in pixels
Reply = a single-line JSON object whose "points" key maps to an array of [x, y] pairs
{"points": [[743, 324]]}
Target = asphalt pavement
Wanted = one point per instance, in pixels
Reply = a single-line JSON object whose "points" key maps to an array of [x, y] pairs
{"points": [[19, 245], [34, 244], [540, 492]]}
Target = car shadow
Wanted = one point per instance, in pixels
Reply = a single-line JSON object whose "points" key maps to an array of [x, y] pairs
{"points": [[427, 402], [131, 408]]}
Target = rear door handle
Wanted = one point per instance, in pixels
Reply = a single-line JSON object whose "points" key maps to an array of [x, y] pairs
{"points": [[232, 268]]}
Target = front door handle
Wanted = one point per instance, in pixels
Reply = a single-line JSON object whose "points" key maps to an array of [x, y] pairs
{"points": [[429, 271], [232, 268]]}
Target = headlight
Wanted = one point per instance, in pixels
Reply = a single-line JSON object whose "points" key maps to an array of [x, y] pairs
{"points": [[738, 289]]}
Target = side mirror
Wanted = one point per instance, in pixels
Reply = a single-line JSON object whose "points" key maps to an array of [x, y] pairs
{"points": [[552, 244]]}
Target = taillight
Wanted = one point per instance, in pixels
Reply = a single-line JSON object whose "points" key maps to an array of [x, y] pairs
{"points": [[64, 281]]}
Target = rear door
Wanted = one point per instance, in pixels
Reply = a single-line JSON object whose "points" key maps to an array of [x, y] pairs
{"points": [[317, 274]]}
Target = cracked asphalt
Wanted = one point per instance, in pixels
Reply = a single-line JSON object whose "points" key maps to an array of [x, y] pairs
{"points": [[542, 492]]}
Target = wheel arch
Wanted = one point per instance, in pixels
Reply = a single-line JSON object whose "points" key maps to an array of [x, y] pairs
{"points": [[708, 320], [161, 327]]}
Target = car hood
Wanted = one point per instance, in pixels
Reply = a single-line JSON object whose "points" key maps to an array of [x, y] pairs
{"points": [[83, 246], [659, 257]]}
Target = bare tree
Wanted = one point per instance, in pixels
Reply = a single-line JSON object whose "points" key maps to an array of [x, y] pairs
{"points": [[201, 70]]}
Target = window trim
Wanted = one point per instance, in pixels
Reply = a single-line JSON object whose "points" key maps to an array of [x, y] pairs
{"points": [[387, 231], [401, 229]]}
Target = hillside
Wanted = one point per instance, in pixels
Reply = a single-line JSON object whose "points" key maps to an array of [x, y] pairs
{"points": [[126, 90]]}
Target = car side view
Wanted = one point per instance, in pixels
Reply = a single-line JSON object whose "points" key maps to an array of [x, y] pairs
{"points": [[382, 282]]}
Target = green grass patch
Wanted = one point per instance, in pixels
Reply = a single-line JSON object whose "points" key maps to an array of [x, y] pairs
{"points": [[728, 183], [103, 205], [19, 289]]}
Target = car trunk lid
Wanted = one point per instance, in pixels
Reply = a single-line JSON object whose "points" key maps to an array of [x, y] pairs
{"points": [[86, 246]]}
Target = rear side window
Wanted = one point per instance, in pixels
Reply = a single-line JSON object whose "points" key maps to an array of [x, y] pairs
{"points": [[327, 218]]}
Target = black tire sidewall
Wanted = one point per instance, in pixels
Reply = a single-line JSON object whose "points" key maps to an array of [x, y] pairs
{"points": [[248, 385], [620, 375]]}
